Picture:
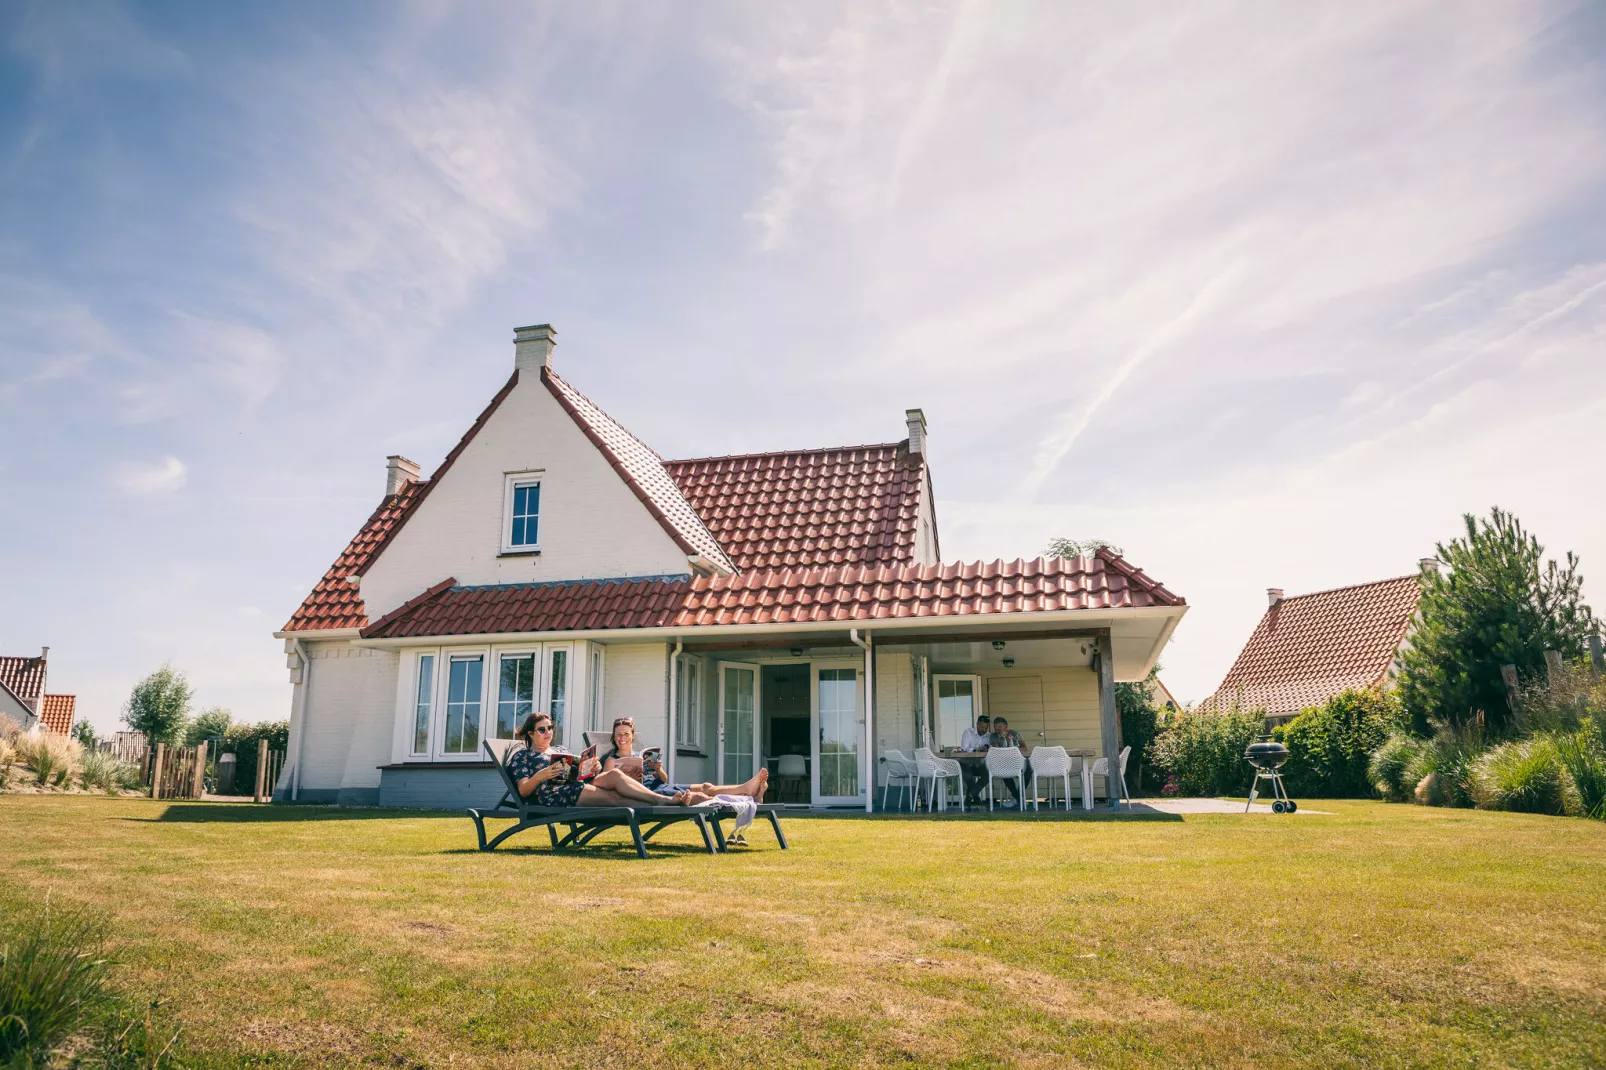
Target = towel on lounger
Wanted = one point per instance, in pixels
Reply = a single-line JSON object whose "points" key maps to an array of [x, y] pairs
{"points": [[745, 806]]}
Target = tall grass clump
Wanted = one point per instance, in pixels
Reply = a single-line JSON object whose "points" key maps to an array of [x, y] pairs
{"points": [[1525, 775], [52, 982], [53, 758], [8, 754], [1583, 755], [1441, 768], [1390, 767], [98, 770]]}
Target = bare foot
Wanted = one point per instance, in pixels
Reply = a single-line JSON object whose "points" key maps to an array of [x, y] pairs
{"points": [[760, 785]]}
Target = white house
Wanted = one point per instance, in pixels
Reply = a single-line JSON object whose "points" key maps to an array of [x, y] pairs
{"points": [[744, 607]]}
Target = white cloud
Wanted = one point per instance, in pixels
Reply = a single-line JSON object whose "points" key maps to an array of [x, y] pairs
{"points": [[166, 476]]}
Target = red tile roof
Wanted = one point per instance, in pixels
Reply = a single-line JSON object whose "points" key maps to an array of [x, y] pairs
{"points": [[642, 470], [787, 596], [1309, 648], [854, 506], [24, 677], [56, 713], [335, 602]]}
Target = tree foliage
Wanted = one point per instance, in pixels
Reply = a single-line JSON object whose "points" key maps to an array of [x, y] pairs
{"points": [[159, 706], [1330, 746], [1060, 546], [1140, 722], [84, 733], [1500, 604], [208, 724], [1205, 751]]}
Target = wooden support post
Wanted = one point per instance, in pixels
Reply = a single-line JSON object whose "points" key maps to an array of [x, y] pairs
{"points": [[156, 770], [262, 768], [198, 784], [1555, 668], [1508, 673], [1597, 661], [1109, 720]]}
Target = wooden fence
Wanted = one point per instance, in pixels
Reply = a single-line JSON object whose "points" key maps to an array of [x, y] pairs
{"points": [[177, 772], [270, 764], [126, 747]]}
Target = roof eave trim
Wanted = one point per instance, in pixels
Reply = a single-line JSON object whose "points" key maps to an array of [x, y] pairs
{"points": [[310, 634]]}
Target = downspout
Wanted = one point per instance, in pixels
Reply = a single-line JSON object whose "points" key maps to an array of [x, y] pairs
{"points": [[674, 701], [869, 716], [301, 721]]}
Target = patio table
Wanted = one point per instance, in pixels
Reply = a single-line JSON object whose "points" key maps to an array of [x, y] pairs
{"points": [[1085, 753]]}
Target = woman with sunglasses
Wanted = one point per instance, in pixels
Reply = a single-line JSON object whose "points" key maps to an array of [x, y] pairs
{"points": [[623, 757], [539, 777]]}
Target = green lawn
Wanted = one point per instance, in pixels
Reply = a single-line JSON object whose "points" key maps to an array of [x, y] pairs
{"points": [[1377, 936]]}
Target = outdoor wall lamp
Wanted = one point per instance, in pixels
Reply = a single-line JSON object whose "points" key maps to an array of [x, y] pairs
{"points": [[1009, 663], [797, 652], [998, 644]]}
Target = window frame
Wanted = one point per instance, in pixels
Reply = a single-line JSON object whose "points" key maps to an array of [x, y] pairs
{"points": [[443, 684], [494, 687], [511, 482], [414, 700], [689, 711], [977, 702]]}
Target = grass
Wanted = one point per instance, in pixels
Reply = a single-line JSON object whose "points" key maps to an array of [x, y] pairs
{"points": [[1377, 936]]}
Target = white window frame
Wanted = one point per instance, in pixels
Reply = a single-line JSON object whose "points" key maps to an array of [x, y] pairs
{"points": [[689, 712], [977, 704], [511, 481], [494, 687], [443, 685], [410, 705]]}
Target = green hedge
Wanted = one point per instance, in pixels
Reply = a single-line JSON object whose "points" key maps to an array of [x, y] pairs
{"points": [[241, 741], [1329, 746], [1204, 752]]}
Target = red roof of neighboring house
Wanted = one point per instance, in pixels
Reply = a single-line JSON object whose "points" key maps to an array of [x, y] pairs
{"points": [[788, 596], [56, 712], [23, 677], [857, 505], [1310, 647]]}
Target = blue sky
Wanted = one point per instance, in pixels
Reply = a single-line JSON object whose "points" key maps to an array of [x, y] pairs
{"points": [[1266, 294]]}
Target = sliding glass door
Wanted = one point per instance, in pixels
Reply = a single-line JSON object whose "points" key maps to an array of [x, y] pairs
{"points": [[838, 709], [738, 721]]}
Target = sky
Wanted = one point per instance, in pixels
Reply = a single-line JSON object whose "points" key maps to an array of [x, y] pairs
{"points": [[1268, 295]]}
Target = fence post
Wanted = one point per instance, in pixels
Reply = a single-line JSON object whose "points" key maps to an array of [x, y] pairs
{"points": [[262, 767], [1597, 662], [199, 784], [1508, 673], [1555, 668], [156, 770]]}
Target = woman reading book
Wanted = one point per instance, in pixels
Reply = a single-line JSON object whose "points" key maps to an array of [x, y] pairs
{"points": [[553, 778], [647, 768]]}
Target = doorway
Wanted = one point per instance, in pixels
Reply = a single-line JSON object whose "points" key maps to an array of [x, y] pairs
{"points": [[785, 740]]}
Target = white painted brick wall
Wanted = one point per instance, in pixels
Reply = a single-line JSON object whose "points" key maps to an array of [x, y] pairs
{"points": [[636, 681], [350, 716]]}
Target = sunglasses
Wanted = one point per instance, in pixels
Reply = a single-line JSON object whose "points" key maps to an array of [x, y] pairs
{"points": [[542, 728], [631, 721]]}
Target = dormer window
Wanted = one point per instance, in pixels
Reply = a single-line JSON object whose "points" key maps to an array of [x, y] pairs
{"points": [[521, 531]]}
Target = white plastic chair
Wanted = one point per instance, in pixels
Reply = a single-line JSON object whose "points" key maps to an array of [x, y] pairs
{"points": [[901, 769], [1102, 768], [791, 765], [1084, 781], [1007, 763], [1051, 764], [928, 765]]}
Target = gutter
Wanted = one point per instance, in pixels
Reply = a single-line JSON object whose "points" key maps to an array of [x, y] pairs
{"points": [[670, 746], [300, 721], [869, 715]]}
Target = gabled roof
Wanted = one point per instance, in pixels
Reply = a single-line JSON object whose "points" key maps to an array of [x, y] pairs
{"points": [[642, 470], [56, 712], [779, 596], [24, 678], [335, 601], [1310, 647], [852, 506]]}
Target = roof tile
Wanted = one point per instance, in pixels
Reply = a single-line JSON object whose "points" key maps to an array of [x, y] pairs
{"points": [[23, 677], [56, 713]]}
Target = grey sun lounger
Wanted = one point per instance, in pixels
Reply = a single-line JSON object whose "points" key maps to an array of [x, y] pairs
{"points": [[584, 823]]}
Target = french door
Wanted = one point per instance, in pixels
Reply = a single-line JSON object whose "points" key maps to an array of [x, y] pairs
{"points": [[738, 721], [837, 701]]}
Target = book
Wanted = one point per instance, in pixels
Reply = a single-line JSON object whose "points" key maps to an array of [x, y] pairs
{"points": [[571, 763]]}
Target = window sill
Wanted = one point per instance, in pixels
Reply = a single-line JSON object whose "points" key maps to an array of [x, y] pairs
{"points": [[519, 553], [425, 763], [689, 752]]}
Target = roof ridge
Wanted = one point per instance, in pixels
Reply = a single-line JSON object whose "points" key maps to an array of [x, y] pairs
{"points": [[661, 577], [1346, 587], [790, 453]]}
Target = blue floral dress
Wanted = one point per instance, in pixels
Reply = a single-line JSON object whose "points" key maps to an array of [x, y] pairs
{"points": [[556, 792]]}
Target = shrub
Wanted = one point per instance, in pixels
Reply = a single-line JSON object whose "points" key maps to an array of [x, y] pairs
{"points": [[1329, 745], [1140, 723], [52, 978], [99, 770], [53, 758], [1524, 775], [1583, 755], [242, 739], [1441, 766], [1204, 752], [8, 754], [1390, 767], [210, 723]]}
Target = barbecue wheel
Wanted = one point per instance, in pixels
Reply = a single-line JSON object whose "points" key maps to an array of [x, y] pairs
{"points": [[1292, 806], [1278, 807]]}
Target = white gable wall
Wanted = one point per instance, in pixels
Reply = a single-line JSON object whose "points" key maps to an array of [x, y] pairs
{"points": [[592, 523]]}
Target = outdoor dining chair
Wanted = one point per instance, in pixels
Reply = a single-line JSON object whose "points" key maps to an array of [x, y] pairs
{"points": [[902, 770], [1006, 763], [928, 765], [1102, 768], [1051, 764]]}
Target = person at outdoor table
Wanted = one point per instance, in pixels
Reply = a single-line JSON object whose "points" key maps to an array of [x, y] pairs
{"points": [[972, 741], [541, 778], [624, 758], [1005, 736]]}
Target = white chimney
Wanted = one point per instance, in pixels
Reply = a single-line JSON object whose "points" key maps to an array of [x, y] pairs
{"points": [[1273, 596], [398, 471], [917, 431], [532, 348], [1428, 564]]}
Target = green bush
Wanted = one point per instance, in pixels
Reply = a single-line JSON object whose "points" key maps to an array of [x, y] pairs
{"points": [[1440, 769], [1329, 745], [52, 978], [1583, 755], [241, 741], [1390, 767], [1204, 752], [1525, 775]]}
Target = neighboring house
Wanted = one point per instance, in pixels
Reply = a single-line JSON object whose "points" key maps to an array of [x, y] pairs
{"points": [[740, 608], [1310, 647], [56, 713], [22, 687]]}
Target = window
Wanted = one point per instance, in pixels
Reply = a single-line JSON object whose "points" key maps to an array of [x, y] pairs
{"points": [[689, 704], [516, 697], [558, 696], [521, 505], [957, 707], [423, 703], [464, 687], [596, 685]]}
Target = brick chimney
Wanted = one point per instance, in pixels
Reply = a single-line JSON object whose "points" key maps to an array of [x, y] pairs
{"points": [[1273, 596], [398, 471], [532, 348], [917, 431]]}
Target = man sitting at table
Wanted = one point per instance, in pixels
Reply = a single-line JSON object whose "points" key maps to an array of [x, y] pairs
{"points": [[1004, 736], [973, 741]]}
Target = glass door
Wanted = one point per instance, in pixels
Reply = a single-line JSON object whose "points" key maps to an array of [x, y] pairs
{"points": [[839, 727], [738, 721]]}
